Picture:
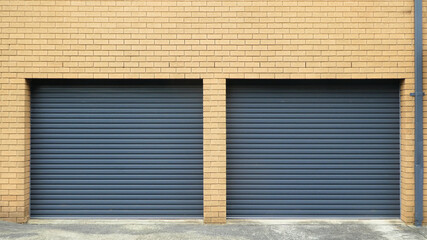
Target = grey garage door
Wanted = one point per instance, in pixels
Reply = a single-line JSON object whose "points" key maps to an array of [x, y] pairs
{"points": [[311, 149], [117, 150]]}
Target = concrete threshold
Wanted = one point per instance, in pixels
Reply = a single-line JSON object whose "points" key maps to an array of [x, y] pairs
{"points": [[313, 221], [229, 221], [116, 221]]}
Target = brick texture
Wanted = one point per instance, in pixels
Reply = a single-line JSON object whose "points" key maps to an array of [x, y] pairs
{"points": [[214, 151], [208, 39]]}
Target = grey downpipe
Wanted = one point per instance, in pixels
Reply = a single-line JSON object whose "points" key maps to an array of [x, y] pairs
{"points": [[419, 165]]}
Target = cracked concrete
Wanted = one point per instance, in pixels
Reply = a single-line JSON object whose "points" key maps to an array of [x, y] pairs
{"points": [[194, 229]]}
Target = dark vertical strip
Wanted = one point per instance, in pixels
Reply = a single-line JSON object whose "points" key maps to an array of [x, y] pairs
{"points": [[419, 168]]}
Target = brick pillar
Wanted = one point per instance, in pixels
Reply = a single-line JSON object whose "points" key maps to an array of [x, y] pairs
{"points": [[214, 151], [407, 190], [14, 150]]}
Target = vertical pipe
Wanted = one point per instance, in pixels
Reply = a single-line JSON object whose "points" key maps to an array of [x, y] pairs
{"points": [[419, 168]]}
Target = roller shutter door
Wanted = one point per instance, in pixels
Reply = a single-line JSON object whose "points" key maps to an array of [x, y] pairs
{"points": [[304, 149], [116, 151]]}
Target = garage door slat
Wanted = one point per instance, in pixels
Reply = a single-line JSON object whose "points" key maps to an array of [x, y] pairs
{"points": [[349, 213], [118, 213]]}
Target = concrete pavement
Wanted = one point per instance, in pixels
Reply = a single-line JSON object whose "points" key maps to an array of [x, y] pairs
{"points": [[194, 229]]}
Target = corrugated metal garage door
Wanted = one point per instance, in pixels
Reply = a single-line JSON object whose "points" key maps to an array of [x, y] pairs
{"points": [[116, 151], [316, 150]]}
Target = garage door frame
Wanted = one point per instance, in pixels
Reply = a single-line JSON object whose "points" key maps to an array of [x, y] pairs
{"points": [[397, 82], [103, 82]]}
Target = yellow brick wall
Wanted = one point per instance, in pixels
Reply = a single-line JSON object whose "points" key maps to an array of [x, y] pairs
{"points": [[208, 39]]}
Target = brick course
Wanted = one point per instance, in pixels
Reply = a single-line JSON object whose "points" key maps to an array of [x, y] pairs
{"points": [[208, 39]]}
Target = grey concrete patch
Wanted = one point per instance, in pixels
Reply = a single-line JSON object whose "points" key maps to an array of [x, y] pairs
{"points": [[235, 230], [423, 231]]}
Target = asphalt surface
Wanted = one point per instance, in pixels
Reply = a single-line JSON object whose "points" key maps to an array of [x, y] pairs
{"points": [[239, 230]]}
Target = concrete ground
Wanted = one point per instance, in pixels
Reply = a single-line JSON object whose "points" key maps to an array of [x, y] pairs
{"points": [[234, 229]]}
